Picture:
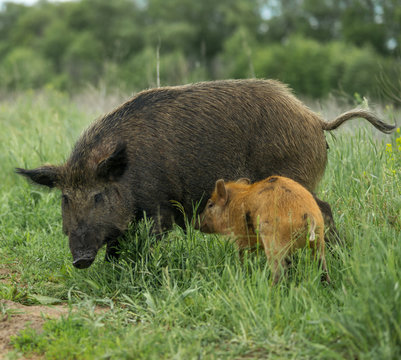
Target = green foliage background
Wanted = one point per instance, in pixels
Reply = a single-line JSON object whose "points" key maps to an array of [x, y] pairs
{"points": [[315, 46]]}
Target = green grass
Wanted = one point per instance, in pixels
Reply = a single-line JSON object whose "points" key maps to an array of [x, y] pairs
{"points": [[189, 296]]}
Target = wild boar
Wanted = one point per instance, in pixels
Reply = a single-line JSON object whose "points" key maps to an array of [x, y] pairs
{"points": [[277, 212], [172, 143]]}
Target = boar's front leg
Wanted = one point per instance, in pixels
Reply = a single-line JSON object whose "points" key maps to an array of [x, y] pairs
{"points": [[163, 219], [112, 250]]}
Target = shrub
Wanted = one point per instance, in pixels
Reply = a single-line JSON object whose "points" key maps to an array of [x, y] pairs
{"points": [[23, 68]]}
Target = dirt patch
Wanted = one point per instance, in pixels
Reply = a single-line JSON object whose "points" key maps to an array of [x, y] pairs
{"points": [[6, 275], [15, 317]]}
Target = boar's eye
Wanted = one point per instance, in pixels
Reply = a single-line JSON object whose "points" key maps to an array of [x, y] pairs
{"points": [[98, 198], [64, 199]]}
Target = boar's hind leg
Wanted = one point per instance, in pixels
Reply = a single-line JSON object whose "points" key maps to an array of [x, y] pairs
{"points": [[332, 237]]}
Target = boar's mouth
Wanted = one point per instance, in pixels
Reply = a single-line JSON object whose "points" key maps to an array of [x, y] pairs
{"points": [[83, 262], [83, 258]]}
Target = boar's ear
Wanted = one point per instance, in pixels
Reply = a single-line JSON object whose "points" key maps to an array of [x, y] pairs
{"points": [[114, 166], [221, 191], [46, 175], [245, 181]]}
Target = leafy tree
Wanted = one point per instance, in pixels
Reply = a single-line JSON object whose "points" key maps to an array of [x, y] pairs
{"points": [[360, 22], [300, 62], [306, 43], [8, 19], [22, 68], [361, 25], [115, 24], [83, 59]]}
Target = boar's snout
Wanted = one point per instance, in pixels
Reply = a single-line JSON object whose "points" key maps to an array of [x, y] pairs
{"points": [[84, 258], [83, 248], [83, 262]]}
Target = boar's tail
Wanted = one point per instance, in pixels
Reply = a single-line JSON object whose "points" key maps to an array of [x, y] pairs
{"points": [[359, 113]]}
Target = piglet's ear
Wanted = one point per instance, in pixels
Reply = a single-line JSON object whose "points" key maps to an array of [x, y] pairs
{"points": [[221, 192], [46, 175], [244, 181], [115, 165]]}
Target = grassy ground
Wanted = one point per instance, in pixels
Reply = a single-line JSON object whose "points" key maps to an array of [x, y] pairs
{"points": [[189, 297]]}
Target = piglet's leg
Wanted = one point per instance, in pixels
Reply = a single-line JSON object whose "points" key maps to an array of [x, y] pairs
{"points": [[278, 267], [274, 253], [325, 277], [322, 263], [321, 257]]}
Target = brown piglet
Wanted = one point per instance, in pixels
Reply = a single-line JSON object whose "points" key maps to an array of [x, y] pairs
{"points": [[277, 212]]}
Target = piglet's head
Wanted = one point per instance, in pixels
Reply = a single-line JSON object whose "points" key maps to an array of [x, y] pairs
{"points": [[214, 217]]}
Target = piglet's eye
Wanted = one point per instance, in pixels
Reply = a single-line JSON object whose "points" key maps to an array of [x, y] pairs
{"points": [[98, 198]]}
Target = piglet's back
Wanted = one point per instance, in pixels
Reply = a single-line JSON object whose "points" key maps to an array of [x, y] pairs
{"points": [[275, 198], [282, 191]]}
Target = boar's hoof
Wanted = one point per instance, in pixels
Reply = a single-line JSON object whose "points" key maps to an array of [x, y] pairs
{"points": [[83, 263]]}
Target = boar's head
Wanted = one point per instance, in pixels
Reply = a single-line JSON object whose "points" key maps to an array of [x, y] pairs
{"points": [[95, 200]]}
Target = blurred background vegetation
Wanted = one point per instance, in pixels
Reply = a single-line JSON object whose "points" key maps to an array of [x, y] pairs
{"points": [[316, 46]]}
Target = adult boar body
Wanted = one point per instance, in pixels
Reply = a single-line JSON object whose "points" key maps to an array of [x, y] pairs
{"points": [[181, 139], [172, 144]]}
